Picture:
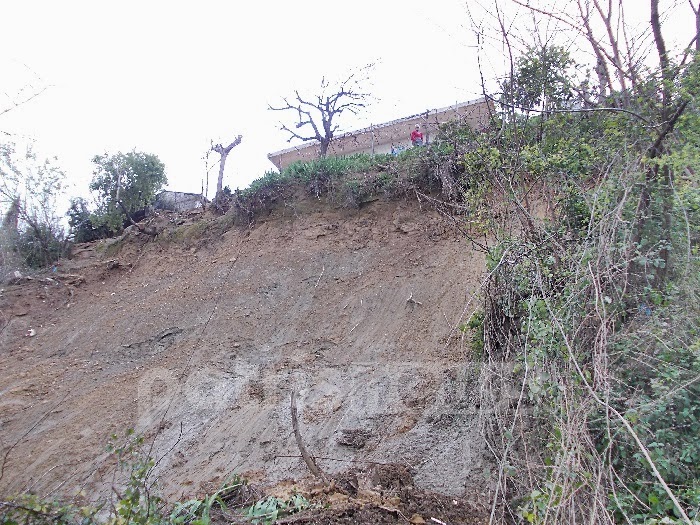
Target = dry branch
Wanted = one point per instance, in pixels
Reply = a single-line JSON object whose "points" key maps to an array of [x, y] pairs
{"points": [[308, 459]]}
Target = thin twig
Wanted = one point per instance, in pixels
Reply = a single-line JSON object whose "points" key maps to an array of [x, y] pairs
{"points": [[319, 277], [411, 300]]}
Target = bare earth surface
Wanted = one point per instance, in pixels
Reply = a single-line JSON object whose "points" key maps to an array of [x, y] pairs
{"points": [[197, 341]]}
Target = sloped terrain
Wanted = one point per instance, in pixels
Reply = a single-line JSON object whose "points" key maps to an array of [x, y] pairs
{"points": [[197, 338]]}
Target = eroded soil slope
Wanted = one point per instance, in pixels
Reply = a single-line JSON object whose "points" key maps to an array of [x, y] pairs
{"points": [[198, 344]]}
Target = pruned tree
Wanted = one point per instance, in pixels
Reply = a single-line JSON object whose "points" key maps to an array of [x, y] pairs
{"points": [[319, 113], [223, 152]]}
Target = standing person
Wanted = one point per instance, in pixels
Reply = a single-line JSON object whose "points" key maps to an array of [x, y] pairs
{"points": [[417, 136]]}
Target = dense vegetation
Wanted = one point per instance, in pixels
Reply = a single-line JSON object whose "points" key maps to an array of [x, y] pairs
{"points": [[590, 314], [343, 181]]}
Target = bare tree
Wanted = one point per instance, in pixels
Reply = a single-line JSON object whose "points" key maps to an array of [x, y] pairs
{"points": [[223, 151], [321, 111]]}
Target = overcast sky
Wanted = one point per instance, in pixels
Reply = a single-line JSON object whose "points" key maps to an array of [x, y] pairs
{"points": [[168, 77]]}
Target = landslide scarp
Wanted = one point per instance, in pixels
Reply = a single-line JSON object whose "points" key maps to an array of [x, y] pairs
{"points": [[196, 337]]}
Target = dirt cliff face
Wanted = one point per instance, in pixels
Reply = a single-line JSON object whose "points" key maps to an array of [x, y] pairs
{"points": [[198, 346]]}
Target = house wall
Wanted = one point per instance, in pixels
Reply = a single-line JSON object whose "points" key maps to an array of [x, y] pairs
{"points": [[177, 201], [380, 139]]}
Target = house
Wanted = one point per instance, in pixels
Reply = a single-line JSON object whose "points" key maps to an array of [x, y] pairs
{"points": [[178, 201], [391, 136]]}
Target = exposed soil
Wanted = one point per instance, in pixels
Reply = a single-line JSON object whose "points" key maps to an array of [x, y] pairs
{"points": [[197, 337]]}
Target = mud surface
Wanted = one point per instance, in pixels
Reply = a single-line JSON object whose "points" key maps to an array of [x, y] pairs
{"points": [[196, 341]]}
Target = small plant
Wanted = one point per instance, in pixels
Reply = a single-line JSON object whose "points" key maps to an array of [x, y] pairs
{"points": [[137, 504], [476, 326], [268, 510], [198, 512]]}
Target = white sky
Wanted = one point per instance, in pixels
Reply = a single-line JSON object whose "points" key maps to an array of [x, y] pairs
{"points": [[167, 77]]}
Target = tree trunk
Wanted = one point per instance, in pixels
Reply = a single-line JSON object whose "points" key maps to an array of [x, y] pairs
{"points": [[664, 175], [323, 151], [697, 28], [696, 12], [222, 164], [224, 151], [666, 223], [10, 222]]}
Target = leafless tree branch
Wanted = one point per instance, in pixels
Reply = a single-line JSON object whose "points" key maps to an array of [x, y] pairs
{"points": [[31, 97], [321, 111]]}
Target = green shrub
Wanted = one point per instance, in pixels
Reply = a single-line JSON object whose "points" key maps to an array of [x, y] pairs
{"points": [[475, 325], [41, 246], [83, 224], [659, 363], [138, 503]]}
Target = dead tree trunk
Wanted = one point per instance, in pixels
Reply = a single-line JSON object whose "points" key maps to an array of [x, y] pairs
{"points": [[223, 151], [323, 149]]}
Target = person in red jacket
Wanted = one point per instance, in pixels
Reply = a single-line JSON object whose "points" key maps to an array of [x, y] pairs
{"points": [[417, 136]]}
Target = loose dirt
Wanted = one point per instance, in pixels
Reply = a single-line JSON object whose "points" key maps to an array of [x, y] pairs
{"points": [[196, 339]]}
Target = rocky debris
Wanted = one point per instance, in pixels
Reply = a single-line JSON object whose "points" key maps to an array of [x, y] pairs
{"points": [[399, 501], [158, 342], [14, 277], [354, 437], [69, 279]]}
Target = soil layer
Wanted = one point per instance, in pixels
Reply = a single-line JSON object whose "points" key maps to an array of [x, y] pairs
{"points": [[196, 339]]}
